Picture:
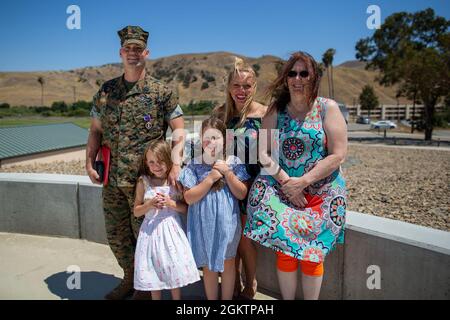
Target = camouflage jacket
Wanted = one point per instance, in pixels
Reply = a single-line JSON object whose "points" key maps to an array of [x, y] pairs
{"points": [[130, 119]]}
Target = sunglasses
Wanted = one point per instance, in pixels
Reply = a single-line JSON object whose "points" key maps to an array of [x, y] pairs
{"points": [[302, 74]]}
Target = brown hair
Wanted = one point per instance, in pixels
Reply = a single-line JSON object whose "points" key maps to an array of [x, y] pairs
{"points": [[161, 149], [278, 91], [218, 124], [228, 110]]}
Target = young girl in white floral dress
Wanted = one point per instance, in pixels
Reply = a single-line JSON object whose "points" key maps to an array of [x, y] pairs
{"points": [[163, 257]]}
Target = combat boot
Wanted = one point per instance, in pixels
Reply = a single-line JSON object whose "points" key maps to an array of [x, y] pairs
{"points": [[124, 289]]}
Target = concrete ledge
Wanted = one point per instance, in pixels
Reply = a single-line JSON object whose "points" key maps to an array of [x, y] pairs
{"points": [[413, 260], [92, 222], [45, 178], [407, 271], [39, 207]]}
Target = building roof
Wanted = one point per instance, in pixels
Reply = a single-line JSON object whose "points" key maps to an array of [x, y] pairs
{"points": [[27, 140]]}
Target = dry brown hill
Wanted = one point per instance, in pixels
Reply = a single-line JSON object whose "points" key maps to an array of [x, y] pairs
{"points": [[195, 76]]}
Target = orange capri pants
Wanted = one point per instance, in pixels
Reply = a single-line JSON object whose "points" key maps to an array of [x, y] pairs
{"points": [[288, 264]]}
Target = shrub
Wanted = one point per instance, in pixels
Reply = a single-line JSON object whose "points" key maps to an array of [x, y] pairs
{"points": [[256, 67], [59, 106], [78, 113], [199, 108], [42, 109], [206, 75], [81, 104]]}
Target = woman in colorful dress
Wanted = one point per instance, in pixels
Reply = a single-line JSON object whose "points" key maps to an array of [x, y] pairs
{"points": [[297, 204], [243, 114]]}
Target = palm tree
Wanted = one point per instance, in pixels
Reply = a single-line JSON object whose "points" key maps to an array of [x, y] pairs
{"points": [[321, 71], [326, 63], [41, 82], [332, 53], [327, 60]]}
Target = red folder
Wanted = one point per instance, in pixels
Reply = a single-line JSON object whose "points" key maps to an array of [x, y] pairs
{"points": [[104, 154]]}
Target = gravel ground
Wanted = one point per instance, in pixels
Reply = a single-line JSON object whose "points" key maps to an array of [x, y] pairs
{"points": [[411, 185]]}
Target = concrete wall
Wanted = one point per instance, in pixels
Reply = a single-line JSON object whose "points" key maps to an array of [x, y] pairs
{"points": [[39, 204], [414, 261]]}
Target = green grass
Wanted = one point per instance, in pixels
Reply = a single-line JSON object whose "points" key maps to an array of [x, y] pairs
{"points": [[83, 122]]}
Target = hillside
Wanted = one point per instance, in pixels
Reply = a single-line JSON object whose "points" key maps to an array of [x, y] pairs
{"points": [[196, 77]]}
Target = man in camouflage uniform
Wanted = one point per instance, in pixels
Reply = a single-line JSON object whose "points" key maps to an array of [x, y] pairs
{"points": [[127, 113]]}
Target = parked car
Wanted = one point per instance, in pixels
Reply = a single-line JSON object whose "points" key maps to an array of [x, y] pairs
{"points": [[344, 111], [383, 124], [363, 120], [418, 124]]}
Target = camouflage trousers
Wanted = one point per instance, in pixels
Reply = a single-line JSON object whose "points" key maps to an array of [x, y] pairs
{"points": [[122, 228]]}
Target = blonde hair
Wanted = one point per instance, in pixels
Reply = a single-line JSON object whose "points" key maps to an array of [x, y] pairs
{"points": [[228, 110], [161, 149]]}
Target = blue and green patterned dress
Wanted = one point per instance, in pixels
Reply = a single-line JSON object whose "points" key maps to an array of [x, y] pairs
{"points": [[307, 234]]}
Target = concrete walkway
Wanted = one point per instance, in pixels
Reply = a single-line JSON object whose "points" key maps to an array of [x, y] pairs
{"points": [[36, 267]]}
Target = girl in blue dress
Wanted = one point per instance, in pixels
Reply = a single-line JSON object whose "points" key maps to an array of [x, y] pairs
{"points": [[213, 185]]}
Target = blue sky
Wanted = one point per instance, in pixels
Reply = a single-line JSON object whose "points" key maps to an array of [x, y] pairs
{"points": [[35, 36]]}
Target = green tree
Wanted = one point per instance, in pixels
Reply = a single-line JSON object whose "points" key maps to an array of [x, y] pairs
{"points": [[409, 90], [42, 83], [367, 99], [279, 66], [205, 85], [59, 106], [413, 51], [327, 60], [256, 68], [81, 104], [203, 107]]}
